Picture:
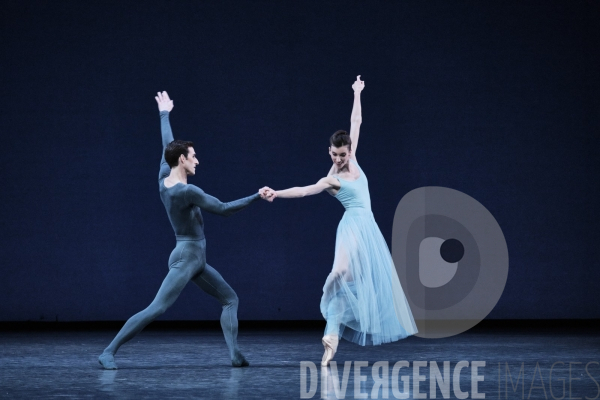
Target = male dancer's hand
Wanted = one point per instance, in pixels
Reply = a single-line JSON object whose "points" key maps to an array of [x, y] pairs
{"points": [[164, 102]]}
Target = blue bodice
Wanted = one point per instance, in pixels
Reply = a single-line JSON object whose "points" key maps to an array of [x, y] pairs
{"points": [[354, 194]]}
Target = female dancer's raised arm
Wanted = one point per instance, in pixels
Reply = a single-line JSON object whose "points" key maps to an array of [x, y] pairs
{"points": [[356, 116], [340, 153]]}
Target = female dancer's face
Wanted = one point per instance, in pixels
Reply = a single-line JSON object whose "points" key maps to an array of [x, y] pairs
{"points": [[339, 156]]}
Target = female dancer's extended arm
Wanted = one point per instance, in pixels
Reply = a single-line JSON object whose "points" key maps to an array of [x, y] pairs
{"points": [[165, 105], [327, 183], [356, 116]]}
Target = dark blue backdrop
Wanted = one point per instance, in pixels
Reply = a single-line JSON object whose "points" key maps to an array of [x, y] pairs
{"points": [[495, 99]]}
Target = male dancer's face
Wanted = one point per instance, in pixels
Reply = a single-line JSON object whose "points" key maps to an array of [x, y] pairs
{"points": [[339, 156], [189, 163]]}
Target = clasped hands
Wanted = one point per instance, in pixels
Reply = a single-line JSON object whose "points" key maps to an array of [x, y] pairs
{"points": [[268, 194]]}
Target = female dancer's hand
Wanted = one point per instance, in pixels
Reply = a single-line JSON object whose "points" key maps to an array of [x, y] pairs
{"points": [[266, 193], [164, 102], [358, 85], [271, 194]]}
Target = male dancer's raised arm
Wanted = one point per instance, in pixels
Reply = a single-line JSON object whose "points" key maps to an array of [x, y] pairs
{"points": [[164, 106]]}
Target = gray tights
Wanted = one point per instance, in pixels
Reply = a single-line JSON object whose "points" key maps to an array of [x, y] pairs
{"points": [[187, 263]]}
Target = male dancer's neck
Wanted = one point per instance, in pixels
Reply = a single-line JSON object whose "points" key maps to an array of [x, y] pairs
{"points": [[177, 175]]}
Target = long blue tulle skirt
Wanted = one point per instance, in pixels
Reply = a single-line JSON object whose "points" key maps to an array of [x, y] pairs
{"points": [[363, 301]]}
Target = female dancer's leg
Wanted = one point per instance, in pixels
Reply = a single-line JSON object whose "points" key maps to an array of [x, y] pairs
{"points": [[338, 304]]}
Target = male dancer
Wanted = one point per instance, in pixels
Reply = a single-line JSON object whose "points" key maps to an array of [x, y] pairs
{"points": [[188, 260]]}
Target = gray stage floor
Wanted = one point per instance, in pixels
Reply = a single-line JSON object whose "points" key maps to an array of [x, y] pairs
{"points": [[181, 364]]}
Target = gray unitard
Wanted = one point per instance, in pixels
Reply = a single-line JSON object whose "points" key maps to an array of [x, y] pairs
{"points": [[188, 259]]}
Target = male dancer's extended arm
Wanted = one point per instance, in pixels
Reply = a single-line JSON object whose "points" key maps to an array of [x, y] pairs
{"points": [[205, 201], [167, 137]]}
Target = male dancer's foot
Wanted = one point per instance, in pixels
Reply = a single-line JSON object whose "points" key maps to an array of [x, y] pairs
{"points": [[107, 361], [239, 360], [330, 343]]}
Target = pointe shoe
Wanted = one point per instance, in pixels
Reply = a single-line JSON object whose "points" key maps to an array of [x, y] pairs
{"points": [[330, 343]]}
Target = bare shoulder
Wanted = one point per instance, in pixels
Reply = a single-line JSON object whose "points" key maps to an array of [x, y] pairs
{"points": [[332, 185], [330, 181]]}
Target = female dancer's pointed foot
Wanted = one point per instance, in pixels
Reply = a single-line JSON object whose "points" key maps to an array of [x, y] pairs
{"points": [[239, 360], [330, 343], [107, 361]]}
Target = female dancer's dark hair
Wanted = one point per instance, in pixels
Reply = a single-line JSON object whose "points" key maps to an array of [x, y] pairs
{"points": [[175, 149], [340, 139]]}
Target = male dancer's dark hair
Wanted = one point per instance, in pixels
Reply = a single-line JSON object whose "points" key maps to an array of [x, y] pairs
{"points": [[175, 149]]}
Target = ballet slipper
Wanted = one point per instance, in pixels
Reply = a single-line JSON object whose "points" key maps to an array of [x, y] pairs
{"points": [[107, 361], [239, 360], [330, 343]]}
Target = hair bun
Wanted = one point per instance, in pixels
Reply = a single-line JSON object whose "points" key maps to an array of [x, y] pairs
{"points": [[340, 138]]}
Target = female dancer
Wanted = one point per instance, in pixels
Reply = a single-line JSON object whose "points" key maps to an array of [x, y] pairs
{"points": [[362, 301]]}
